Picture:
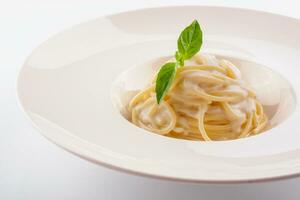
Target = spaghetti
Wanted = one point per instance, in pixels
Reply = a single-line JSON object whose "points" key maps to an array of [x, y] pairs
{"points": [[207, 101]]}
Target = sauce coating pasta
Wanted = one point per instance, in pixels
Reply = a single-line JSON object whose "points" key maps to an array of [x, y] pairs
{"points": [[207, 100]]}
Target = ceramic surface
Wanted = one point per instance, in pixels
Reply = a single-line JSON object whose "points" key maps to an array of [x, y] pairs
{"points": [[71, 89]]}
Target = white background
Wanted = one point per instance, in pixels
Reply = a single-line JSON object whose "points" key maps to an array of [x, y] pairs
{"points": [[33, 168]]}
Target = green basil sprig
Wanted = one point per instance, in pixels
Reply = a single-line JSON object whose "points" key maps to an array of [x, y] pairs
{"points": [[188, 44]]}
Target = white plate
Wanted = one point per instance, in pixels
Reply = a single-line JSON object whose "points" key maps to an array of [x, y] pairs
{"points": [[70, 87]]}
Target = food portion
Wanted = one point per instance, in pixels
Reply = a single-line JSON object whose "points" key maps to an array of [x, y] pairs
{"points": [[198, 97]]}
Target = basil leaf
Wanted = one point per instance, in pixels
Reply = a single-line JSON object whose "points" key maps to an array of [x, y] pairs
{"points": [[189, 42], [164, 79]]}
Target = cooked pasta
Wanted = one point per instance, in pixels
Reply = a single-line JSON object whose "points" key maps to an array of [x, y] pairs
{"points": [[207, 100]]}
